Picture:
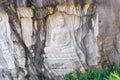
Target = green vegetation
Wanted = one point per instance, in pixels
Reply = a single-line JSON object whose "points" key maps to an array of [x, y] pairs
{"points": [[41, 78], [33, 7], [114, 76], [0, 1], [107, 73]]}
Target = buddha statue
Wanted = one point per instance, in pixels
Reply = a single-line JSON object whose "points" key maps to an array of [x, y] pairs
{"points": [[60, 40], [61, 51]]}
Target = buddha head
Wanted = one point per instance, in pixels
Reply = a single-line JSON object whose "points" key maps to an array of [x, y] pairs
{"points": [[59, 19]]}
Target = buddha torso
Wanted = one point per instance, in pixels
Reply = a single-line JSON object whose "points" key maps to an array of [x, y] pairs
{"points": [[60, 37]]}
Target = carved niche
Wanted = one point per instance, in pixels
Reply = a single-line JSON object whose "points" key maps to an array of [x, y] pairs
{"points": [[62, 53]]}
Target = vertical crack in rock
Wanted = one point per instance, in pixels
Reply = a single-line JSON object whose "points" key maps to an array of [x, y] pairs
{"points": [[23, 55]]}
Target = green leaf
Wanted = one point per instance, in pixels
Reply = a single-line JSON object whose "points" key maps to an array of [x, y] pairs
{"points": [[32, 7]]}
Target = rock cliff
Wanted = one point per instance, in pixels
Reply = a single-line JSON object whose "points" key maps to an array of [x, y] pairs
{"points": [[53, 37]]}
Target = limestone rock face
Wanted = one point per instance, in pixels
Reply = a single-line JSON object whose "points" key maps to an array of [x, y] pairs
{"points": [[26, 15], [6, 45], [12, 50], [49, 38]]}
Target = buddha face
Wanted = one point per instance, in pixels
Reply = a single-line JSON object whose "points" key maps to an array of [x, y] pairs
{"points": [[60, 21]]}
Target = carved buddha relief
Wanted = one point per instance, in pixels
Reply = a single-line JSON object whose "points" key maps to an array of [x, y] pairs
{"points": [[60, 37], [61, 47]]}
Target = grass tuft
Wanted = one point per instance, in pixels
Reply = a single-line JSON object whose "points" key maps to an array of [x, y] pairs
{"points": [[107, 73]]}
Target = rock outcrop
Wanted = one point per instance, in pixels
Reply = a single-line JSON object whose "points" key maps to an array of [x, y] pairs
{"points": [[49, 38]]}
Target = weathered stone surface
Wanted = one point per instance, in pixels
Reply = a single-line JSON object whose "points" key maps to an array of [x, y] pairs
{"points": [[6, 45], [33, 43], [109, 30], [12, 52], [27, 26], [74, 9], [25, 12], [64, 39]]}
